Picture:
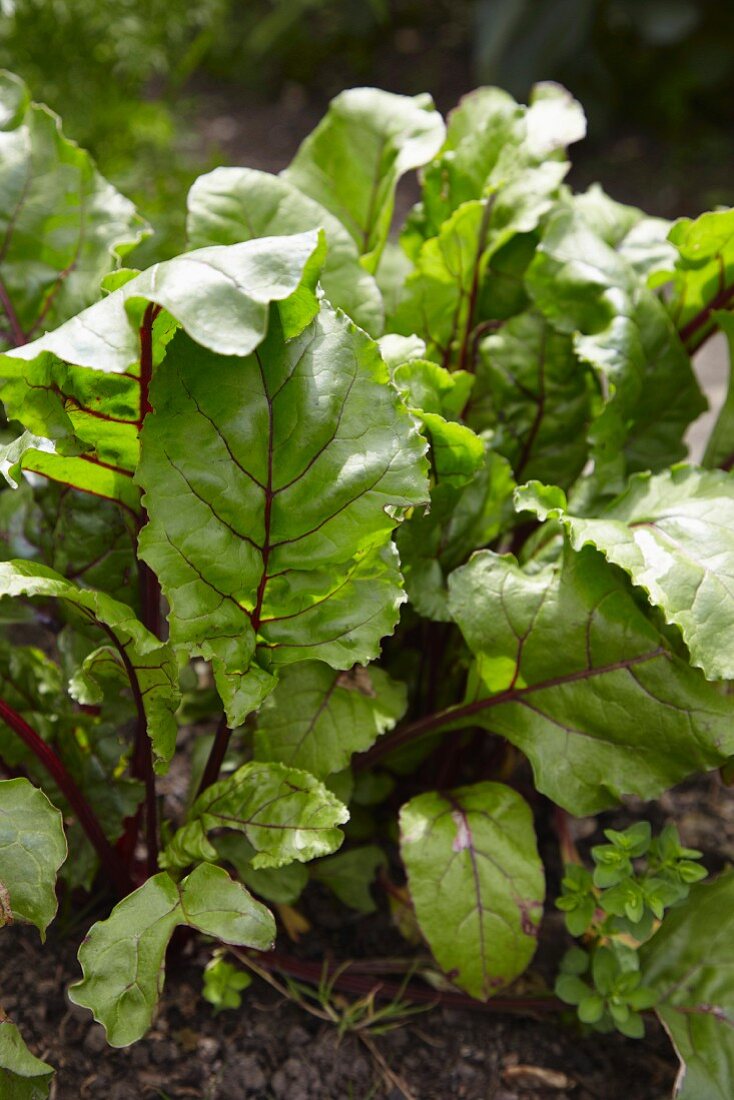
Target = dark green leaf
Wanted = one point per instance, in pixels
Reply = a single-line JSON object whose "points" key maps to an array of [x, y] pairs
{"points": [[32, 848], [22, 1075]]}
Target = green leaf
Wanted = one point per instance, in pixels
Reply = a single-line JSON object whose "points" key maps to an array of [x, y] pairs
{"points": [[641, 240], [123, 957], [496, 147], [279, 885], [476, 881], [580, 679], [150, 664], [674, 534], [350, 874], [285, 814], [238, 204], [703, 277], [460, 520], [316, 718], [77, 390], [62, 225], [224, 983], [689, 964], [84, 539], [32, 848], [352, 161], [269, 531], [532, 389], [22, 1075], [619, 326]]}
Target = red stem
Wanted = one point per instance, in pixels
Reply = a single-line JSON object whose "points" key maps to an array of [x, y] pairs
{"points": [[443, 718], [216, 755], [396, 991], [109, 858], [702, 318]]}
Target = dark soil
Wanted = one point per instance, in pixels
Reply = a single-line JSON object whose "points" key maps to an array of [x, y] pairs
{"points": [[272, 1048]]}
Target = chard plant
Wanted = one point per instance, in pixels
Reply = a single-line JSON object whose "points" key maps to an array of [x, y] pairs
{"points": [[392, 541]]}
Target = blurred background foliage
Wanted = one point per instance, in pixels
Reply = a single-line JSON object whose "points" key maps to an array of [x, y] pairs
{"points": [[161, 90]]}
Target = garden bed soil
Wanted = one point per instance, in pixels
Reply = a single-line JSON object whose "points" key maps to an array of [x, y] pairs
{"points": [[272, 1049]]}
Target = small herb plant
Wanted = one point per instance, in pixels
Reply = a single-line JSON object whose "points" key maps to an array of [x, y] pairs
{"points": [[367, 531]]}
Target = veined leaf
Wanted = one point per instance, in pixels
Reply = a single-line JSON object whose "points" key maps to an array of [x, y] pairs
{"points": [[32, 848], [703, 276], [689, 962], [574, 673], [286, 815], [273, 484], [476, 881], [22, 1075], [536, 394], [673, 533], [622, 329], [82, 390], [123, 957], [62, 225], [352, 161], [150, 664], [238, 204], [316, 718]]}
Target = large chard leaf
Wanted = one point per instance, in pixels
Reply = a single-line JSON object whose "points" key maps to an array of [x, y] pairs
{"points": [[703, 276], [238, 204], [534, 392], [62, 225], [352, 161], [571, 670], [123, 957], [32, 848], [273, 484], [22, 1075], [674, 534], [689, 963], [149, 664], [316, 718], [476, 882], [586, 288], [285, 814], [641, 240], [82, 391]]}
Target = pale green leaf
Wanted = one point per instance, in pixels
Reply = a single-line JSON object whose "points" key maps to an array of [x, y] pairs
{"points": [[32, 848], [476, 882], [352, 161], [720, 447], [673, 533], [286, 815], [123, 957], [238, 204]]}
